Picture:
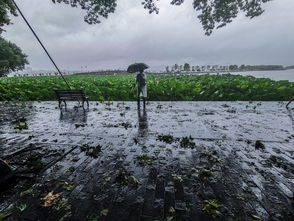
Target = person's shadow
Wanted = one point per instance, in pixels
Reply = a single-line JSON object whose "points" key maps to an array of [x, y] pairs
{"points": [[74, 115]]}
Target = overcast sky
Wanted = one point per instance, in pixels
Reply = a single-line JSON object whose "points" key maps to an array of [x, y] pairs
{"points": [[131, 35]]}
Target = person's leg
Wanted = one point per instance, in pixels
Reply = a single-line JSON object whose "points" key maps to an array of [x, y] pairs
{"points": [[138, 99]]}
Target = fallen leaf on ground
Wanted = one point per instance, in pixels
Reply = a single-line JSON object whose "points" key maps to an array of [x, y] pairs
{"points": [[50, 199], [22, 207], [104, 212], [7, 161], [4, 215], [26, 192], [257, 217]]}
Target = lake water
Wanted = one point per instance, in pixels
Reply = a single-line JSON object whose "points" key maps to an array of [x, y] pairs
{"points": [[274, 75]]}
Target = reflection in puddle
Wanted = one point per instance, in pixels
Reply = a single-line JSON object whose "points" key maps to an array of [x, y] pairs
{"points": [[75, 115], [143, 123]]}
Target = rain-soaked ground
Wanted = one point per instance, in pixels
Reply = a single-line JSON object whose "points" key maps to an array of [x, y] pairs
{"points": [[176, 161]]}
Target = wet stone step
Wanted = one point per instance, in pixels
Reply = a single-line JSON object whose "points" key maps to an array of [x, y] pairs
{"points": [[159, 191], [179, 190], [136, 209], [158, 208], [5, 172], [169, 198], [149, 198], [152, 176], [149, 195], [118, 212], [180, 205], [147, 218]]}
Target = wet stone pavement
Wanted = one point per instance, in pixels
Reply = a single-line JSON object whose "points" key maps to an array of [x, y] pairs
{"points": [[176, 161]]}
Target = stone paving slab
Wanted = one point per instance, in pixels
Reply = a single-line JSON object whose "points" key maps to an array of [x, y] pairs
{"points": [[176, 161]]}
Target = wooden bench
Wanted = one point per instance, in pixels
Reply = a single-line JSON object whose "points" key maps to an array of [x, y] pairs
{"points": [[78, 95]]}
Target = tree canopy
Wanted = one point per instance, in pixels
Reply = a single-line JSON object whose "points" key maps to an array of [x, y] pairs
{"points": [[212, 13], [186, 67], [6, 8], [11, 57]]}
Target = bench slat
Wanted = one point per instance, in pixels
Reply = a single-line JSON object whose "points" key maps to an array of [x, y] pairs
{"points": [[70, 94]]}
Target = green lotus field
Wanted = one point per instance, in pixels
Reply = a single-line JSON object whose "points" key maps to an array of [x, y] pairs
{"points": [[225, 87]]}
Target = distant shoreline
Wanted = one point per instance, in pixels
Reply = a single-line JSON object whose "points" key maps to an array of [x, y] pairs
{"points": [[273, 74]]}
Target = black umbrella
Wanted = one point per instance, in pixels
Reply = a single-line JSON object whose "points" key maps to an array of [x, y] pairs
{"points": [[137, 67]]}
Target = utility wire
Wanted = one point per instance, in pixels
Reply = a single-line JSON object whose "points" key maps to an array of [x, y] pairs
{"points": [[40, 42]]}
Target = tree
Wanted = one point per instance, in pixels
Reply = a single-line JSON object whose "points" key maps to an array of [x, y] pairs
{"points": [[212, 14], [11, 57], [242, 67], [6, 8], [167, 69], [233, 67], [186, 67], [181, 68], [176, 67]]}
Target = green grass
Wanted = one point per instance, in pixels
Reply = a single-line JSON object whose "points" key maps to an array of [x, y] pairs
{"points": [[160, 87]]}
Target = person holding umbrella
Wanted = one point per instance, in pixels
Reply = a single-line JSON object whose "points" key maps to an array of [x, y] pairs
{"points": [[140, 80], [142, 88]]}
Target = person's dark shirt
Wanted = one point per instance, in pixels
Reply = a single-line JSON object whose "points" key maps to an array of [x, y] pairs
{"points": [[141, 80]]}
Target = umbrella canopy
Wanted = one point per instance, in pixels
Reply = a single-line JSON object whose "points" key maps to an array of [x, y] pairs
{"points": [[137, 67]]}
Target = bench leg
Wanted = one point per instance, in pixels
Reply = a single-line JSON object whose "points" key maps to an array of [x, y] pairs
{"points": [[83, 104], [290, 102], [60, 102]]}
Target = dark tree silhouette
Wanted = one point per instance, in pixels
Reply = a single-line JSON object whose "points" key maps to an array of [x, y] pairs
{"points": [[6, 8], [11, 57], [212, 14], [186, 67]]}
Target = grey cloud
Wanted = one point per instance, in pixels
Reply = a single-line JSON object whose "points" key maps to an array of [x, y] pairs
{"points": [[172, 36]]}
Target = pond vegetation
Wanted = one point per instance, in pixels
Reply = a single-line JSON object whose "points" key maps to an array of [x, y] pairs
{"points": [[160, 88]]}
